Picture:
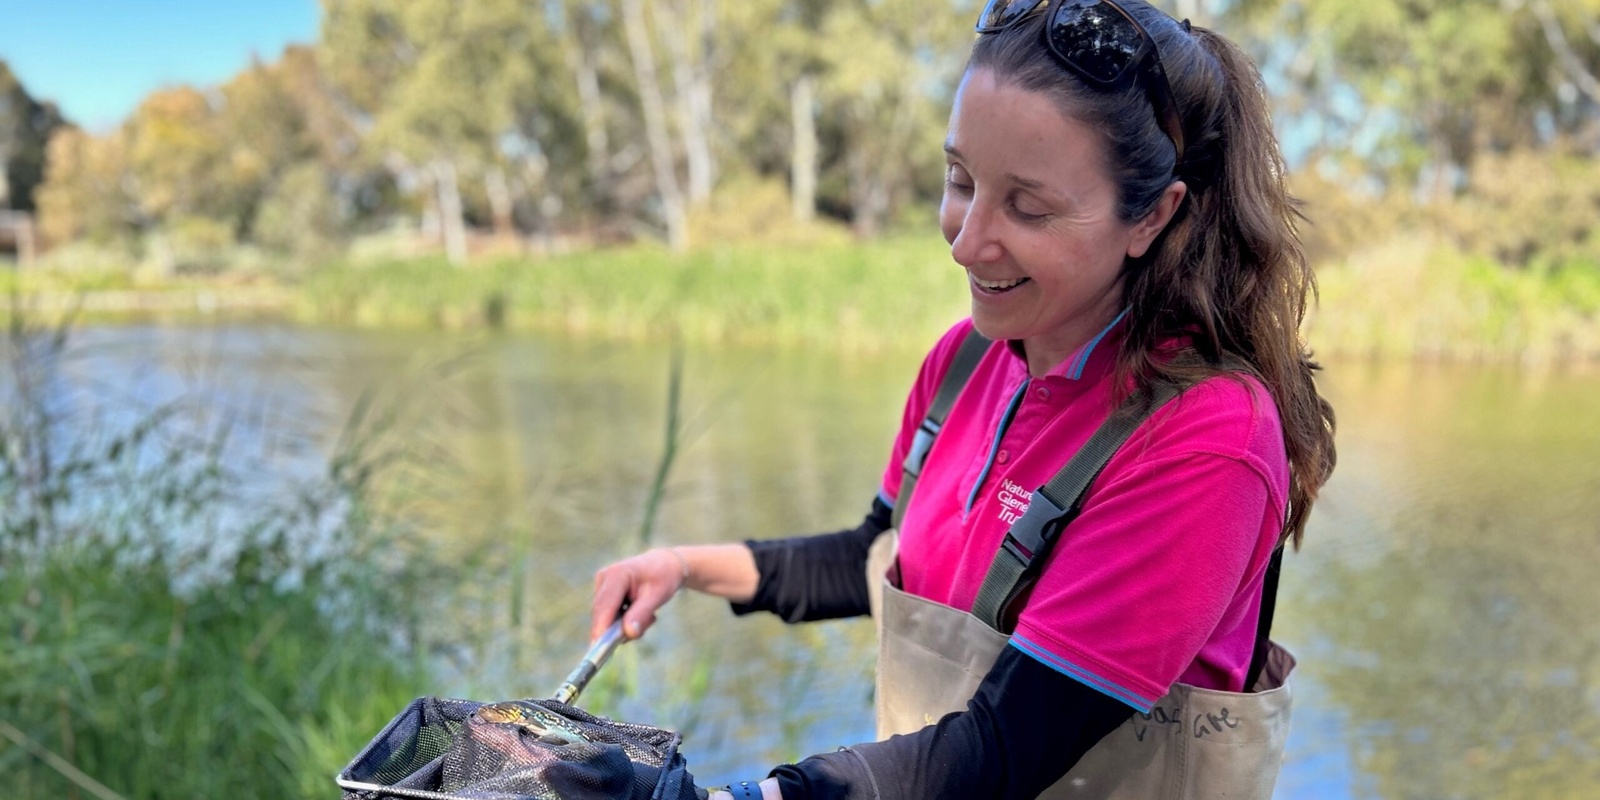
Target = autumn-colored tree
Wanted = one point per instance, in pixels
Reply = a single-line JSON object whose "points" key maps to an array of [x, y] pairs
{"points": [[86, 193]]}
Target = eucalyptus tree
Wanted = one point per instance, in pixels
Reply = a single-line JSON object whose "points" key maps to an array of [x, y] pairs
{"points": [[425, 76], [1419, 89], [774, 51], [663, 156], [894, 65]]}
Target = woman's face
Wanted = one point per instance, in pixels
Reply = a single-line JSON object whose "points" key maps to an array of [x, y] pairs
{"points": [[1030, 212]]}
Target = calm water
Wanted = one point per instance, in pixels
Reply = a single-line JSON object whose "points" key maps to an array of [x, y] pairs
{"points": [[1444, 607]]}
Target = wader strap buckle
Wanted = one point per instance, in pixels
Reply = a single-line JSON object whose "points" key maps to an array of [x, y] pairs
{"points": [[921, 443], [955, 379], [1037, 528]]}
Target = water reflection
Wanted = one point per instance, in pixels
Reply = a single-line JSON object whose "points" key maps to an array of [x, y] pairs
{"points": [[1445, 602], [1443, 608]]}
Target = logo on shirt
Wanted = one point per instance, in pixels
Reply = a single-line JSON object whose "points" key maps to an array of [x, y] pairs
{"points": [[1014, 501]]}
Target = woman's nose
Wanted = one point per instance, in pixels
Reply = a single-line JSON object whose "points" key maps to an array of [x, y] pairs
{"points": [[975, 241]]}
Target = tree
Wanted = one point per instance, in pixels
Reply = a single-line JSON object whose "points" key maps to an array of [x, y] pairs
{"points": [[895, 74], [663, 157], [425, 75], [85, 194], [25, 128], [1419, 89]]}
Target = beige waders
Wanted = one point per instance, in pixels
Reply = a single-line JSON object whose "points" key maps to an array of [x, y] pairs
{"points": [[1195, 744]]}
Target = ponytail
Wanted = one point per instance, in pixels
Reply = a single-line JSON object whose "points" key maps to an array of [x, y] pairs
{"points": [[1231, 271]]}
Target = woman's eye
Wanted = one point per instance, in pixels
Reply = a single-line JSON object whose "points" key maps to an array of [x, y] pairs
{"points": [[956, 178], [1028, 211]]}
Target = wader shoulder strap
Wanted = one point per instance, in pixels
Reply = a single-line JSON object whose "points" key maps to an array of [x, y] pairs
{"points": [[955, 378], [1054, 504], [1269, 604]]}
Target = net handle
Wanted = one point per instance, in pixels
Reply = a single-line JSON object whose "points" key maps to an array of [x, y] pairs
{"points": [[592, 661]]}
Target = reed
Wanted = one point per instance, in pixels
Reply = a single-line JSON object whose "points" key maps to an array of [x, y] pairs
{"points": [[1418, 300], [1414, 297], [885, 294], [154, 647]]}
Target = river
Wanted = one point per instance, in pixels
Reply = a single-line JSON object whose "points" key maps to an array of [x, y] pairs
{"points": [[1444, 607]]}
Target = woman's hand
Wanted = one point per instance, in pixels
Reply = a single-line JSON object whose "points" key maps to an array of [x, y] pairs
{"points": [[647, 581], [644, 582]]}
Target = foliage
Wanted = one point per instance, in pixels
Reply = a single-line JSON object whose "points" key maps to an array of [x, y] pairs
{"points": [[892, 293], [1419, 90], [165, 639], [1426, 299], [25, 128], [85, 196], [415, 127], [1526, 210]]}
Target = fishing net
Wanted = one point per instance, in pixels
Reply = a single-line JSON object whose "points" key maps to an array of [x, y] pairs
{"points": [[439, 749]]}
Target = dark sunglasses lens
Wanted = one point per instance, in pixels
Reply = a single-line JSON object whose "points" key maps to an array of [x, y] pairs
{"points": [[1096, 38], [999, 14]]}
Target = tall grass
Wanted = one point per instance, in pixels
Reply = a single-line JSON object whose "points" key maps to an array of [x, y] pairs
{"points": [[1402, 297], [1420, 300], [158, 646], [1407, 298], [884, 294]]}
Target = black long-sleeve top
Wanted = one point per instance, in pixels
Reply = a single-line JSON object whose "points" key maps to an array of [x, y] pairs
{"points": [[1023, 729]]}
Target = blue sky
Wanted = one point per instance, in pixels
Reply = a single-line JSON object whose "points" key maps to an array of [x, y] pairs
{"points": [[97, 58]]}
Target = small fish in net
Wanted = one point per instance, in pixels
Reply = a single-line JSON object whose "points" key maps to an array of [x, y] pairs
{"points": [[488, 748], [545, 726]]}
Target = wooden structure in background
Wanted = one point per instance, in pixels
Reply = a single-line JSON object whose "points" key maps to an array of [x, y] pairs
{"points": [[17, 236]]}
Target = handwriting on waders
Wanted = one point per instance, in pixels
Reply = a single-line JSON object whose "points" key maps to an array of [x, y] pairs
{"points": [[1201, 726]]}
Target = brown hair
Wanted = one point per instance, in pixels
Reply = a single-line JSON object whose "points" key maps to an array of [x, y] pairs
{"points": [[1228, 271]]}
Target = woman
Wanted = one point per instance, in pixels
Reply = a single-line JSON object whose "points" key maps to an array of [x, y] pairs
{"points": [[1116, 197]]}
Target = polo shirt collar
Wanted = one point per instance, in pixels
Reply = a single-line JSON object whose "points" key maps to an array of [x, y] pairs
{"points": [[1090, 361]]}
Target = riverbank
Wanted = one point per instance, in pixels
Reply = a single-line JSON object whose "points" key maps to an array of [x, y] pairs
{"points": [[1394, 301]]}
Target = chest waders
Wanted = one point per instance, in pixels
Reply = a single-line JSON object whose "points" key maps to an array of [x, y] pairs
{"points": [[1195, 743]]}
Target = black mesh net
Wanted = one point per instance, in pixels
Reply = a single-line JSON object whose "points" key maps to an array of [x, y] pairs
{"points": [[516, 750]]}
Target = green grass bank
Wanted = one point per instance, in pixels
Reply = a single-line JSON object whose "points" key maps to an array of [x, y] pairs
{"points": [[162, 637], [891, 293], [1399, 299]]}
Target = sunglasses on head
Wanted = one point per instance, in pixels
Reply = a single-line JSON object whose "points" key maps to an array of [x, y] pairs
{"points": [[1100, 42]]}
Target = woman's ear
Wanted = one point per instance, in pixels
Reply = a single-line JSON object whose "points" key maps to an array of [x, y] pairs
{"points": [[1146, 230]]}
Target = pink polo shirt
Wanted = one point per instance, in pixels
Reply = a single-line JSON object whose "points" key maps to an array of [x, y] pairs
{"points": [[1159, 579]]}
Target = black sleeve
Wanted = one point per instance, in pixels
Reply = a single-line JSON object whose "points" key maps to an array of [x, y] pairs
{"points": [[806, 578], [1026, 726]]}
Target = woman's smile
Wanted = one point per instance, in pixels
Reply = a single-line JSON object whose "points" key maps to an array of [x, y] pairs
{"points": [[981, 287]]}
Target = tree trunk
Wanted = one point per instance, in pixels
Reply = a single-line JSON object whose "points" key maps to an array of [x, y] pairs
{"points": [[535, 177], [1571, 64], [5, 177], [451, 219], [868, 196], [26, 245], [655, 121], [591, 108], [686, 81], [803, 153], [500, 204]]}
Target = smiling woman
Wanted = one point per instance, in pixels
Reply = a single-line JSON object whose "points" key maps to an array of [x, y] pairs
{"points": [[1131, 398], [1030, 213]]}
